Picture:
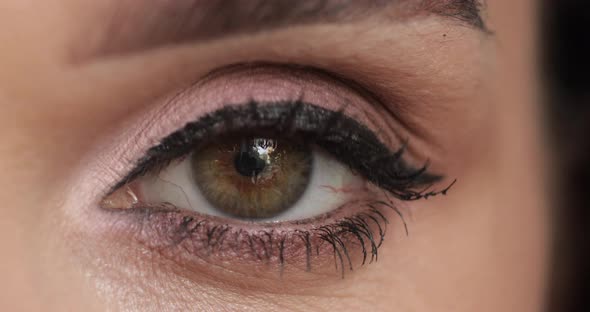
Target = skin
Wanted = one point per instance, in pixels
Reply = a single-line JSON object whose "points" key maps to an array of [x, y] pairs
{"points": [[484, 247]]}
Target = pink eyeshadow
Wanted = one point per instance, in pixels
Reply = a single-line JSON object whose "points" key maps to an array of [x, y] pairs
{"points": [[239, 85]]}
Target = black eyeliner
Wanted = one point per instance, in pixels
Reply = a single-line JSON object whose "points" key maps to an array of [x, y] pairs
{"points": [[345, 139]]}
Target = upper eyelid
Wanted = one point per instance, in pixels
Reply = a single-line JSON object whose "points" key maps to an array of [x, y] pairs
{"points": [[170, 113]]}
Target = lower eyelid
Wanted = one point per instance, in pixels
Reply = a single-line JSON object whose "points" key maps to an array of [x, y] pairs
{"points": [[327, 247]]}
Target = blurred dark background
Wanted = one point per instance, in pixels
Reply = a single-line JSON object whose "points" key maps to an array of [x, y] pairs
{"points": [[565, 44]]}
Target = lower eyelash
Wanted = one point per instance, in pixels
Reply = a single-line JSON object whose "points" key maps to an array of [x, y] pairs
{"points": [[349, 241]]}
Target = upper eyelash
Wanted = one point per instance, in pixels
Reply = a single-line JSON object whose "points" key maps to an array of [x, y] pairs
{"points": [[345, 139]]}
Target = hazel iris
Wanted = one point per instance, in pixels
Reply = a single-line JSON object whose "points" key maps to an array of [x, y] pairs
{"points": [[252, 178]]}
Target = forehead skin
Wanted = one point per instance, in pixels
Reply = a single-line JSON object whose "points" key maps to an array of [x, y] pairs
{"points": [[484, 250]]}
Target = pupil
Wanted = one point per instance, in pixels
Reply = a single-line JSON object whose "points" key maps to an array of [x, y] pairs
{"points": [[248, 162]]}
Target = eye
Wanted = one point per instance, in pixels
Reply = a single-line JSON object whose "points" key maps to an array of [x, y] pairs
{"points": [[284, 181]]}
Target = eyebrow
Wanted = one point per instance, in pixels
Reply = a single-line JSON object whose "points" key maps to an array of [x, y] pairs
{"points": [[135, 25]]}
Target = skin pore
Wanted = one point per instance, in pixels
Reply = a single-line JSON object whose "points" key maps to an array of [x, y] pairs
{"points": [[75, 78]]}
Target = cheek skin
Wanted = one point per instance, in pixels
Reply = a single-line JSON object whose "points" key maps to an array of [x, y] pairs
{"points": [[482, 248], [525, 200]]}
